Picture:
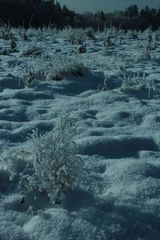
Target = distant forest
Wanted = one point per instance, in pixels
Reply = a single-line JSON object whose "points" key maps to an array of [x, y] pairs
{"points": [[39, 13]]}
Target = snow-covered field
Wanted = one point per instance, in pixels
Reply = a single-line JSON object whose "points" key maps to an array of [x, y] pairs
{"points": [[108, 85]]}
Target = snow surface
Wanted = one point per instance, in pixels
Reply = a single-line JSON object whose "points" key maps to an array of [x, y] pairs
{"points": [[117, 133]]}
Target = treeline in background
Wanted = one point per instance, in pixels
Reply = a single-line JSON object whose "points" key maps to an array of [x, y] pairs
{"points": [[39, 13]]}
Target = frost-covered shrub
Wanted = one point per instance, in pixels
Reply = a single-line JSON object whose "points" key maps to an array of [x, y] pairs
{"points": [[32, 73], [62, 66], [50, 165], [144, 52], [90, 33], [55, 163], [53, 68], [74, 36], [132, 34], [137, 84], [111, 31], [108, 42], [147, 47], [151, 41]]}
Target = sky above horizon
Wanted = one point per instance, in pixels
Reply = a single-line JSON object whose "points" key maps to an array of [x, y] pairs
{"points": [[106, 5]]}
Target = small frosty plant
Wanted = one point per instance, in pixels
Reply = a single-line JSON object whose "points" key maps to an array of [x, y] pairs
{"points": [[55, 163]]}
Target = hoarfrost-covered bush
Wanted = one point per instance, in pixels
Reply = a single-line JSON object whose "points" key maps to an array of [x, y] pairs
{"points": [[90, 33], [49, 165], [137, 84], [53, 68], [108, 42], [74, 36], [132, 34], [32, 73], [56, 167], [55, 163]]}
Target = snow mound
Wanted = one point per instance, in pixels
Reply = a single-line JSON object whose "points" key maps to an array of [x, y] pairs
{"points": [[116, 147]]}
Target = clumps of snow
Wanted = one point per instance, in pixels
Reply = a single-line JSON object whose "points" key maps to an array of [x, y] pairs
{"points": [[15, 202], [113, 147], [4, 51], [59, 224], [15, 160], [29, 202], [8, 230], [132, 170]]}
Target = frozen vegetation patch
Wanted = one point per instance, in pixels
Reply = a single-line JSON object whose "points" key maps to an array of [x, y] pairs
{"points": [[50, 166], [54, 68]]}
